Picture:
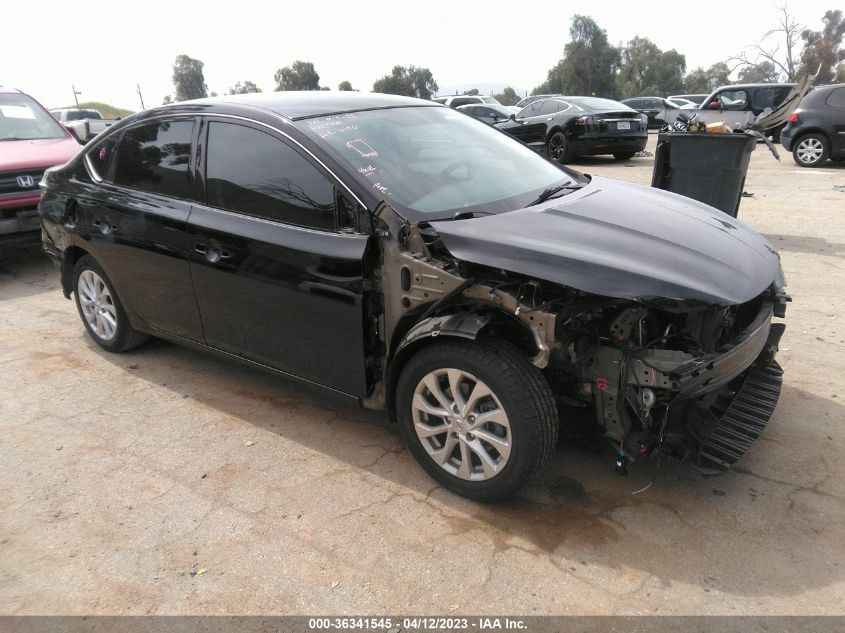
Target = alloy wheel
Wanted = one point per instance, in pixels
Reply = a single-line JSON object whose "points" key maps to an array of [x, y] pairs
{"points": [[557, 146], [461, 424], [97, 305], [810, 150]]}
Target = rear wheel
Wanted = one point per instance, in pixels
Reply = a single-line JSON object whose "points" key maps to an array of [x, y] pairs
{"points": [[624, 156], [559, 148], [810, 150], [100, 309], [477, 416]]}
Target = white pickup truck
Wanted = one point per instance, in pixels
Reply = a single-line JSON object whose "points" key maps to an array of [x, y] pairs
{"points": [[85, 123]]}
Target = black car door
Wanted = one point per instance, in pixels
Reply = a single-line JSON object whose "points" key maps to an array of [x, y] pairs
{"points": [[531, 126], [276, 280], [136, 220]]}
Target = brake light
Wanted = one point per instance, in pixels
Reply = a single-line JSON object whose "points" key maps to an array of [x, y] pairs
{"points": [[793, 118], [584, 120]]}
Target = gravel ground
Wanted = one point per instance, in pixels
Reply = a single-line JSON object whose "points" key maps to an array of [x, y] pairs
{"points": [[166, 481]]}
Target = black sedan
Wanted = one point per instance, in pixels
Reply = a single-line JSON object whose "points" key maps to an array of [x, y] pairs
{"points": [[488, 113], [567, 127], [404, 255]]}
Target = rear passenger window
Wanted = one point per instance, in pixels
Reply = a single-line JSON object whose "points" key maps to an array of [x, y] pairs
{"points": [[154, 158], [101, 157], [836, 98], [254, 173]]}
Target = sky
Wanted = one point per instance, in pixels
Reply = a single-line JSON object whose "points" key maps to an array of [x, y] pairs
{"points": [[108, 48]]}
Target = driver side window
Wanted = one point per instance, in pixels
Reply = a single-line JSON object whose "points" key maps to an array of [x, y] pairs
{"points": [[733, 99]]}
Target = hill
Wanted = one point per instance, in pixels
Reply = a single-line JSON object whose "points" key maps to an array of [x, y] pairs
{"points": [[108, 112]]}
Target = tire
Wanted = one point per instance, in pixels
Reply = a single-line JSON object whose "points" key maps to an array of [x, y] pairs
{"points": [[100, 309], [522, 426], [558, 147], [625, 156], [811, 150]]}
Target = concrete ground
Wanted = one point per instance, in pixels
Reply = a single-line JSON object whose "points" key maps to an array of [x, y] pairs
{"points": [[166, 481]]}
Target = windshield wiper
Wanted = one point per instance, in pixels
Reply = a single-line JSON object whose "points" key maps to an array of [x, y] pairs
{"points": [[468, 215], [12, 138], [550, 192]]}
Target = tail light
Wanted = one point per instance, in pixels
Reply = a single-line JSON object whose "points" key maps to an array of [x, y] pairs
{"points": [[793, 118], [584, 120]]}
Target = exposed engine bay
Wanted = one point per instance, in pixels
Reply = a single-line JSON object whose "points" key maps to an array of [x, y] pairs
{"points": [[655, 376]]}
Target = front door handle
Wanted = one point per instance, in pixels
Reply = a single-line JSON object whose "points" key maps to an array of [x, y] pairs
{"points": [[104, 226], [213, 252]]}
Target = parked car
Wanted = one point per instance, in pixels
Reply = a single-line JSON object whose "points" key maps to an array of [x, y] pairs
{"points": [[30, 142], [566, 127], [816, 130], [455, 101], [739, 105], [529, 100], [487, 113], [414, 259], [657, 109], [85, 122], [696, 99], [681, 103]]}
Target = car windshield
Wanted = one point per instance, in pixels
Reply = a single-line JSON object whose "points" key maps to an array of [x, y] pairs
{"points": [[436, 162], [22, 119], [597, 104], [490, 100], [78, 115]]}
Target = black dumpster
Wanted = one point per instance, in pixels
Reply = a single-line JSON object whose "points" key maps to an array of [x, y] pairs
{"points": [[709, 168]]}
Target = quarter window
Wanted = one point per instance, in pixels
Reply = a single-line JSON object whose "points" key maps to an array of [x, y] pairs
{"points": [[101, 157], [254, 173], [836, 98], [155, 157]]}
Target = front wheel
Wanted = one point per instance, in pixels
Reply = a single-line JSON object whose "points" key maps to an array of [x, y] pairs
{"points": [[100, 309], [559, 148], [477, 416]]}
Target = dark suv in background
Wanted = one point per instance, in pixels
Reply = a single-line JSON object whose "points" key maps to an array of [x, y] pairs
{"points": [[816, 130]]}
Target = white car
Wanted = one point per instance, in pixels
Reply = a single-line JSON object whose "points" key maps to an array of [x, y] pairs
{"points": [[454, 101]]}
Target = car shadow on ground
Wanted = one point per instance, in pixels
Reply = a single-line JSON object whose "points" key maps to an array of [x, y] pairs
{"points": [[25, 262], [806, 244], [577, 514]]}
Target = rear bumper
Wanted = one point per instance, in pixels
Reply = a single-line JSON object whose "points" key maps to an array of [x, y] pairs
{"points": [[787, 137], [609, 145]]}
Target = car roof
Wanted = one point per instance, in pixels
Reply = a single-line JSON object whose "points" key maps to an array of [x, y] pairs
{"points": [[307, 104], [759, 85], [10, 90]]}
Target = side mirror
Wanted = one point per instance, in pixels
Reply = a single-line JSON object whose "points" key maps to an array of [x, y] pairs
{"points": [[512, 117], [74, 134], [714, 105]]}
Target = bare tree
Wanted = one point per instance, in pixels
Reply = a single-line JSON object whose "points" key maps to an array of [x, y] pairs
{"points": [[779, 46]]}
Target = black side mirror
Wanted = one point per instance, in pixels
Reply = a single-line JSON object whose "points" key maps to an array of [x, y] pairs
{"points": [[512, 117]]}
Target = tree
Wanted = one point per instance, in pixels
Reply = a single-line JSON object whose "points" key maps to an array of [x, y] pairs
{"points": [[345, 86], [588, 65], [823, 49], [472, 91], [188, 78], [167, 99], [761, 73], [781, 54], [647, 70], [410, 82], [705, 81], [298, 76], [507, 97], [244, 88]]}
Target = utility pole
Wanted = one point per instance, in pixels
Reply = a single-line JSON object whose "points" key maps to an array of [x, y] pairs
{"points": [[74, 96], [140, 96]]}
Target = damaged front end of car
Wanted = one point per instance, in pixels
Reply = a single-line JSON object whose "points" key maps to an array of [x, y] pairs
{"points": [[689, 372]]}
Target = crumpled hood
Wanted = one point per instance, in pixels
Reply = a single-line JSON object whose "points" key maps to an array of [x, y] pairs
{"points": [[622, 240], [37, 153]]}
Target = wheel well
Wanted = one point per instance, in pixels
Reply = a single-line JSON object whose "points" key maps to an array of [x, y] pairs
{"points": [[70, 256], [809, 131], [503, 327], [556, 128]]}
